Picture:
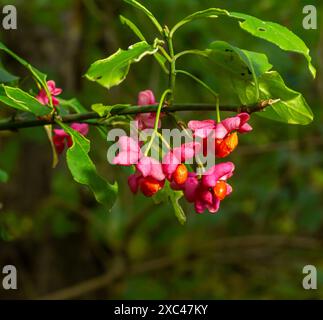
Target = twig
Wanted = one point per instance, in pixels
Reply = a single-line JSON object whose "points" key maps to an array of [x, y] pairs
{"points": [[15, 124]]}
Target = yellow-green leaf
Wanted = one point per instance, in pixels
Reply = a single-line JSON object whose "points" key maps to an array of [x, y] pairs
{"points": [[113, 70], [84, 171]]}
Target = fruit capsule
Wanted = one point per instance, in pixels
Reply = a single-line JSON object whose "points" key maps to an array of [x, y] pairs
{"points": [[220, 190], [223, 147], [149, 186], [180, 175]]}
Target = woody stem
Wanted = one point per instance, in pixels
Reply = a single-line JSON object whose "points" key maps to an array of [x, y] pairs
{"points": [[172, 66], [15, 123]]}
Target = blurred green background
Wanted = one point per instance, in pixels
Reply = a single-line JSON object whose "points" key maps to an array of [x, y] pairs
{"points": [[65, 245]]}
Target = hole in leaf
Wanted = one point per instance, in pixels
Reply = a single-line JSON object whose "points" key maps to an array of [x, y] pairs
{"points": [[261, 29], [228, 50], [243, 74], [98, 78]]}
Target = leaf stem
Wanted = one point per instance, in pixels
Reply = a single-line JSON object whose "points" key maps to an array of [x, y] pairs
{"points": [[218, 116], [161, 103], [165, 54], [207, 87], [202, 83], [163, 140], [194, 52]]}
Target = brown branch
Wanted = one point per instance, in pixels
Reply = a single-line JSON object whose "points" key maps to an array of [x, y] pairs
{"points": [[15, 124]]}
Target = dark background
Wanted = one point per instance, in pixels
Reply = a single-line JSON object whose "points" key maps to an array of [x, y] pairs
{"points": [[65, 245]]}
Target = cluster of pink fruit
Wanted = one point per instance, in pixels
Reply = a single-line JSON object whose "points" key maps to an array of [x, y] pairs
{"points": [[207, 190]]}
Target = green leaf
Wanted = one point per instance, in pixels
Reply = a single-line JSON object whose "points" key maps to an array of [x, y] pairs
{"points": [[269, 31], [84, 170], [39, 76], [101, 109], [241, 62], [5, 76], [19, 99], [167, 194], [160, 58], [292, 107], [276, 34], [133, 27], [105, 111], [143, 9], [7, 101], [174, 197], [245, 66], [49, 132], [74, 104], [208, 13], [3, 176], [113, 70], [161, 196]]}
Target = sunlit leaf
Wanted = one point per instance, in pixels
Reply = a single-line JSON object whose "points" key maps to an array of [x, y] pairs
{"points": [[241, 62], [143, 9], [113, 70], [276, 34], [133, 27], [160, 58], [105, 111], [208, 13], [269, 31], [84, 170], [243, 65], [292, 107], [19, 99], [74, 104], [174, 197]]}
